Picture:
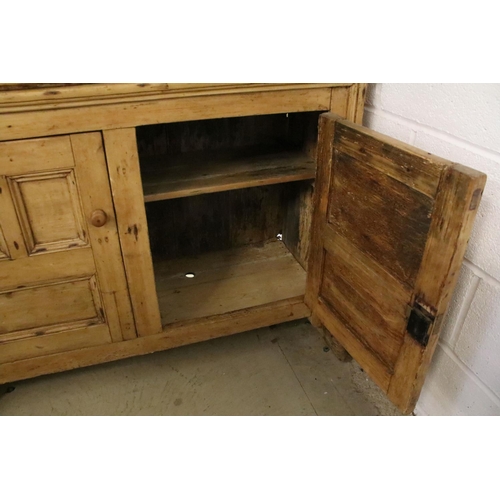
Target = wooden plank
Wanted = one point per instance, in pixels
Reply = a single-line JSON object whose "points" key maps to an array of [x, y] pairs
{"points": [[298, 220], [336, 347], [93, 180], [395, 159], [35, 155], [339, 100], [215, 222], [199, 174], [177, 335], [360, 102], [366, 298], [390, 243], [50, 305], [458, 199], [23, 98], [62, 342], [326, 135], [124, 173], [46, 268], [386, 218], [353, 345], [227, 281], [11, 229], [115, 116]]}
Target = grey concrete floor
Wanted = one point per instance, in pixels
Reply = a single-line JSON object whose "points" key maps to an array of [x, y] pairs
{"points": [[280, 370]]}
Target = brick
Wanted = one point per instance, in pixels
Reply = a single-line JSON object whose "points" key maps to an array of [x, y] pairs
{"points": [[386, 126], [466, 279], [484, 244], [467, 111], [451, 390], [478, 344]]}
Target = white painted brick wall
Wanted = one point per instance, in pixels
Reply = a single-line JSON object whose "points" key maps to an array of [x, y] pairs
{"points": [[460, 122]]}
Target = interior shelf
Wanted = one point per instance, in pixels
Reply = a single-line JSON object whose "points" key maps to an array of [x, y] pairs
{"points": [[209, 172], [227, 281]]}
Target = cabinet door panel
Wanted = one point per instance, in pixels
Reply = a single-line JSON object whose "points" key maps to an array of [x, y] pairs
{"points": [[62, 282], [390, 228], [49, 210]]}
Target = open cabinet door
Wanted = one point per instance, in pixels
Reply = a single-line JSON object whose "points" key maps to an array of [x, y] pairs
{"points": [[390, 228]]}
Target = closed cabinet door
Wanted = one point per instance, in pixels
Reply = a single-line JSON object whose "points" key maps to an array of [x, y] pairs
{"points": [[390, 228], [62, 283]]}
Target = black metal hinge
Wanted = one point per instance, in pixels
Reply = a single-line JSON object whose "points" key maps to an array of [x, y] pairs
{"points": [[419, 324]]}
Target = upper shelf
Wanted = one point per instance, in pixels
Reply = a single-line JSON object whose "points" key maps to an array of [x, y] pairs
{"points": [[194, 174]]}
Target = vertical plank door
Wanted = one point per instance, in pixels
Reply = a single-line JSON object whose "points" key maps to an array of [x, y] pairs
{"points": [[62, 282], [390, 228]]}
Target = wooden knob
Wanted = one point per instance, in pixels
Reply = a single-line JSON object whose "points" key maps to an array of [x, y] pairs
{"points": [[98, 218]]}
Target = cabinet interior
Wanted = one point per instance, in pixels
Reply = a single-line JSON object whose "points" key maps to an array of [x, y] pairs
{"points": [[228, 201]]}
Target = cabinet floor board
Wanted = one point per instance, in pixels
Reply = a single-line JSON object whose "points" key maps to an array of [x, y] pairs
{"points": [[226, 281]]}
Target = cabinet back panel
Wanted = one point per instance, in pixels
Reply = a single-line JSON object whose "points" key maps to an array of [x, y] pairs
{"points": [[198, 224], [295, 131]]}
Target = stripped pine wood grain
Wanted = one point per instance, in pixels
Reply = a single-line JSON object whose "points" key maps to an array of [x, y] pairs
{"points": [[124, 172], [194, 176], [21, 97], [117, 116], [35, 155], [457, 202], [177, 335], [94, 181], [227, 281], [51, 299], [69, 338], [390, 230]]}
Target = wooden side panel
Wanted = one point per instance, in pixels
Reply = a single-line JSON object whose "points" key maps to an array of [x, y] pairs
{"points": [[124, 172], [390, 228]]}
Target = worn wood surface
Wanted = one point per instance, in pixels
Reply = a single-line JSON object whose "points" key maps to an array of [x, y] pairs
{"points": [[390, 228], [54, 285], [298, 220], [227, 281], [52, 112], [124, 173], [188, 332], [87, 118], [199, 174], [93, 180], [218, 221], [19, 97], [336, 347]]}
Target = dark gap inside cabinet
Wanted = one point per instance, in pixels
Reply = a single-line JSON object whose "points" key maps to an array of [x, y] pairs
{"points": [[228, 204]]}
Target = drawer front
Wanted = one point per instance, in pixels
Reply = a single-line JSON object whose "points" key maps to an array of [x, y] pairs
{"points": [[62, 283]]}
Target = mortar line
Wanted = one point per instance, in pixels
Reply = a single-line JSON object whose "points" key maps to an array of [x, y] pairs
{"points": [[441, 134], [494, 398], [464, 311]]}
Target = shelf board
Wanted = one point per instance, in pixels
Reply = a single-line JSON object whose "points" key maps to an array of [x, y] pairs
{"points": [[227, 281], [202, 173]]}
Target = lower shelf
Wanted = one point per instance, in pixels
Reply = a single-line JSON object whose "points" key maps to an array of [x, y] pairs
{"points": [[227, 281]]}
